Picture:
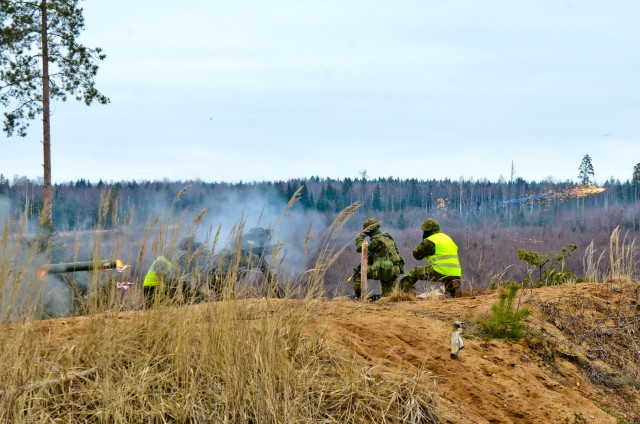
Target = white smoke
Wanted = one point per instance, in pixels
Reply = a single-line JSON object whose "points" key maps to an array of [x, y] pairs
{"points": [[292, 228]]}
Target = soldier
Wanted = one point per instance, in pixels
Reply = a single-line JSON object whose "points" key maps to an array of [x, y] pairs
{"points": [[193, 264], [251, 254], [384, 262], [159, 275], [441, 254]]}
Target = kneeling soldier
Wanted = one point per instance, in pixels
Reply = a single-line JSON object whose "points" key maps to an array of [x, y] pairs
{"points": [[441, 254]]}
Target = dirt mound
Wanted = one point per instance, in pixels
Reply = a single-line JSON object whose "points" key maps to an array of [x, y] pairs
{"points": [[574, 368], [579, 364]]}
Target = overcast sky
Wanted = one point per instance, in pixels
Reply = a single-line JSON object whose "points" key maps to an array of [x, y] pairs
{"points": [[272, 90]]}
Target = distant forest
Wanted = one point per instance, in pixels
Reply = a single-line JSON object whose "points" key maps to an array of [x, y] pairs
{"points": [[470, 203], [490, 221]]}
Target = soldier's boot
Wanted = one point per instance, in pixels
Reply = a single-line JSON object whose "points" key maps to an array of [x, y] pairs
{"points": [[407, 283], [357, 287], [452, 287], [357, 293]]}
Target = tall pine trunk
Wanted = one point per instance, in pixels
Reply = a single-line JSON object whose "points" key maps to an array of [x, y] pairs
{"points": [[47, 204]]}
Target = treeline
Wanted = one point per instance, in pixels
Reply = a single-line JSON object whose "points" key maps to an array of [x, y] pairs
{"points": [[516, 203]]}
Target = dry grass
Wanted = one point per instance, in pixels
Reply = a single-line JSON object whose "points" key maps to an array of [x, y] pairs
{"points": [[622, 258], [606, 326], [230, 361], [398, 296]]}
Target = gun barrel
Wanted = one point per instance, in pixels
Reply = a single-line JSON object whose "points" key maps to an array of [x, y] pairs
{"points": [[81, 266]]}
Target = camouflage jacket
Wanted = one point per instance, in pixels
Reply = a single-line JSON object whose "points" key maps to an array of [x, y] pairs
{"points": [[381, 246]]}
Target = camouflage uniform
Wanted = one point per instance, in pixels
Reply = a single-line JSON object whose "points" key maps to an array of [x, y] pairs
{"points": [[440, 252], [251, 254], [384, 262], [194, 268]]}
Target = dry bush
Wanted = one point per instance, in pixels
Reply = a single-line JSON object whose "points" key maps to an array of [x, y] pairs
{"points": [[399, 296], [606, 326]]}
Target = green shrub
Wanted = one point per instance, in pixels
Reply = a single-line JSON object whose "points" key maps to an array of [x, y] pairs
{"points": [[557, 273], [505, 321]]}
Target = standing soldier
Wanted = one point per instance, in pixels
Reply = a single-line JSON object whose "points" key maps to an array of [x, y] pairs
{"points": [[441, 254], [384, 262]]}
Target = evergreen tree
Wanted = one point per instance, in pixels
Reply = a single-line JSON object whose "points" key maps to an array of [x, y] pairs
{"points": [[322, 204], [586, 173], [402, 222], [377, 199], [306, 198], [345, 194], [41, 60], [4, 185], [332, 194], [414, 195], [635, 179]]}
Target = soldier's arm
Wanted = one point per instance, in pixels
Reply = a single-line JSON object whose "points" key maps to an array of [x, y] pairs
{"points": [[376, 245], [424, 249], [359, 241]]}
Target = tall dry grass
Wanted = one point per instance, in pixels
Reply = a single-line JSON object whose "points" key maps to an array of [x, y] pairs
{"points": [[619, 262], [229, 361]]}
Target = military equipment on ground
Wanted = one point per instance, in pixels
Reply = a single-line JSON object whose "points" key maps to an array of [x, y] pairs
{"points": [[255, 247], [257, 241], [81, 266]]}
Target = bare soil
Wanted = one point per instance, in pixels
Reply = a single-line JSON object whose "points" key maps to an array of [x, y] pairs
{"points": [[579, 363], [547, 378]]}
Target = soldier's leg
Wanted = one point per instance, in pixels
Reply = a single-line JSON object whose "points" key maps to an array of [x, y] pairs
{"points": [[408, 281], [357, 285], [451, 285], [274, 287], [272, 282], [148, 292], [387, 287]]}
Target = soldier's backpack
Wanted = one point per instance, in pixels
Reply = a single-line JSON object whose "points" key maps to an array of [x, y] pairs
{"points": [[391, 265], [392, 252]]}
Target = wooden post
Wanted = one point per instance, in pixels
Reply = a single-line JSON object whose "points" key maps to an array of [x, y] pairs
{"points": [[363, 270]]}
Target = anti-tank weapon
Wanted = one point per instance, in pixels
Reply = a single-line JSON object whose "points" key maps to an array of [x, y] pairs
{"points": [[255, 247], [257, 242], [82, 266]]}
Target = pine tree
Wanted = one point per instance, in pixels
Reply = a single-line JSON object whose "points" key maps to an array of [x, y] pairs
{"points": [[306, 198], [636, 181], [41, 60], [586, 171], [377, 199]]}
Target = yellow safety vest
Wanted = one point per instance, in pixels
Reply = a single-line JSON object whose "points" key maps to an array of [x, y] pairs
{"points": [[152, 279], [445, 260]]}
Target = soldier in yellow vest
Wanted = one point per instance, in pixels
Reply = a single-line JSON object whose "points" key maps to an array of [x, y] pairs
{"points": [[157, 276], [441, 254]]}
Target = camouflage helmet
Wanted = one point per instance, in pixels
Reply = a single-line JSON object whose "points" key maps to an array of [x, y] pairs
{"points": [[430, 225], [371, 224], [189, 244]]}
